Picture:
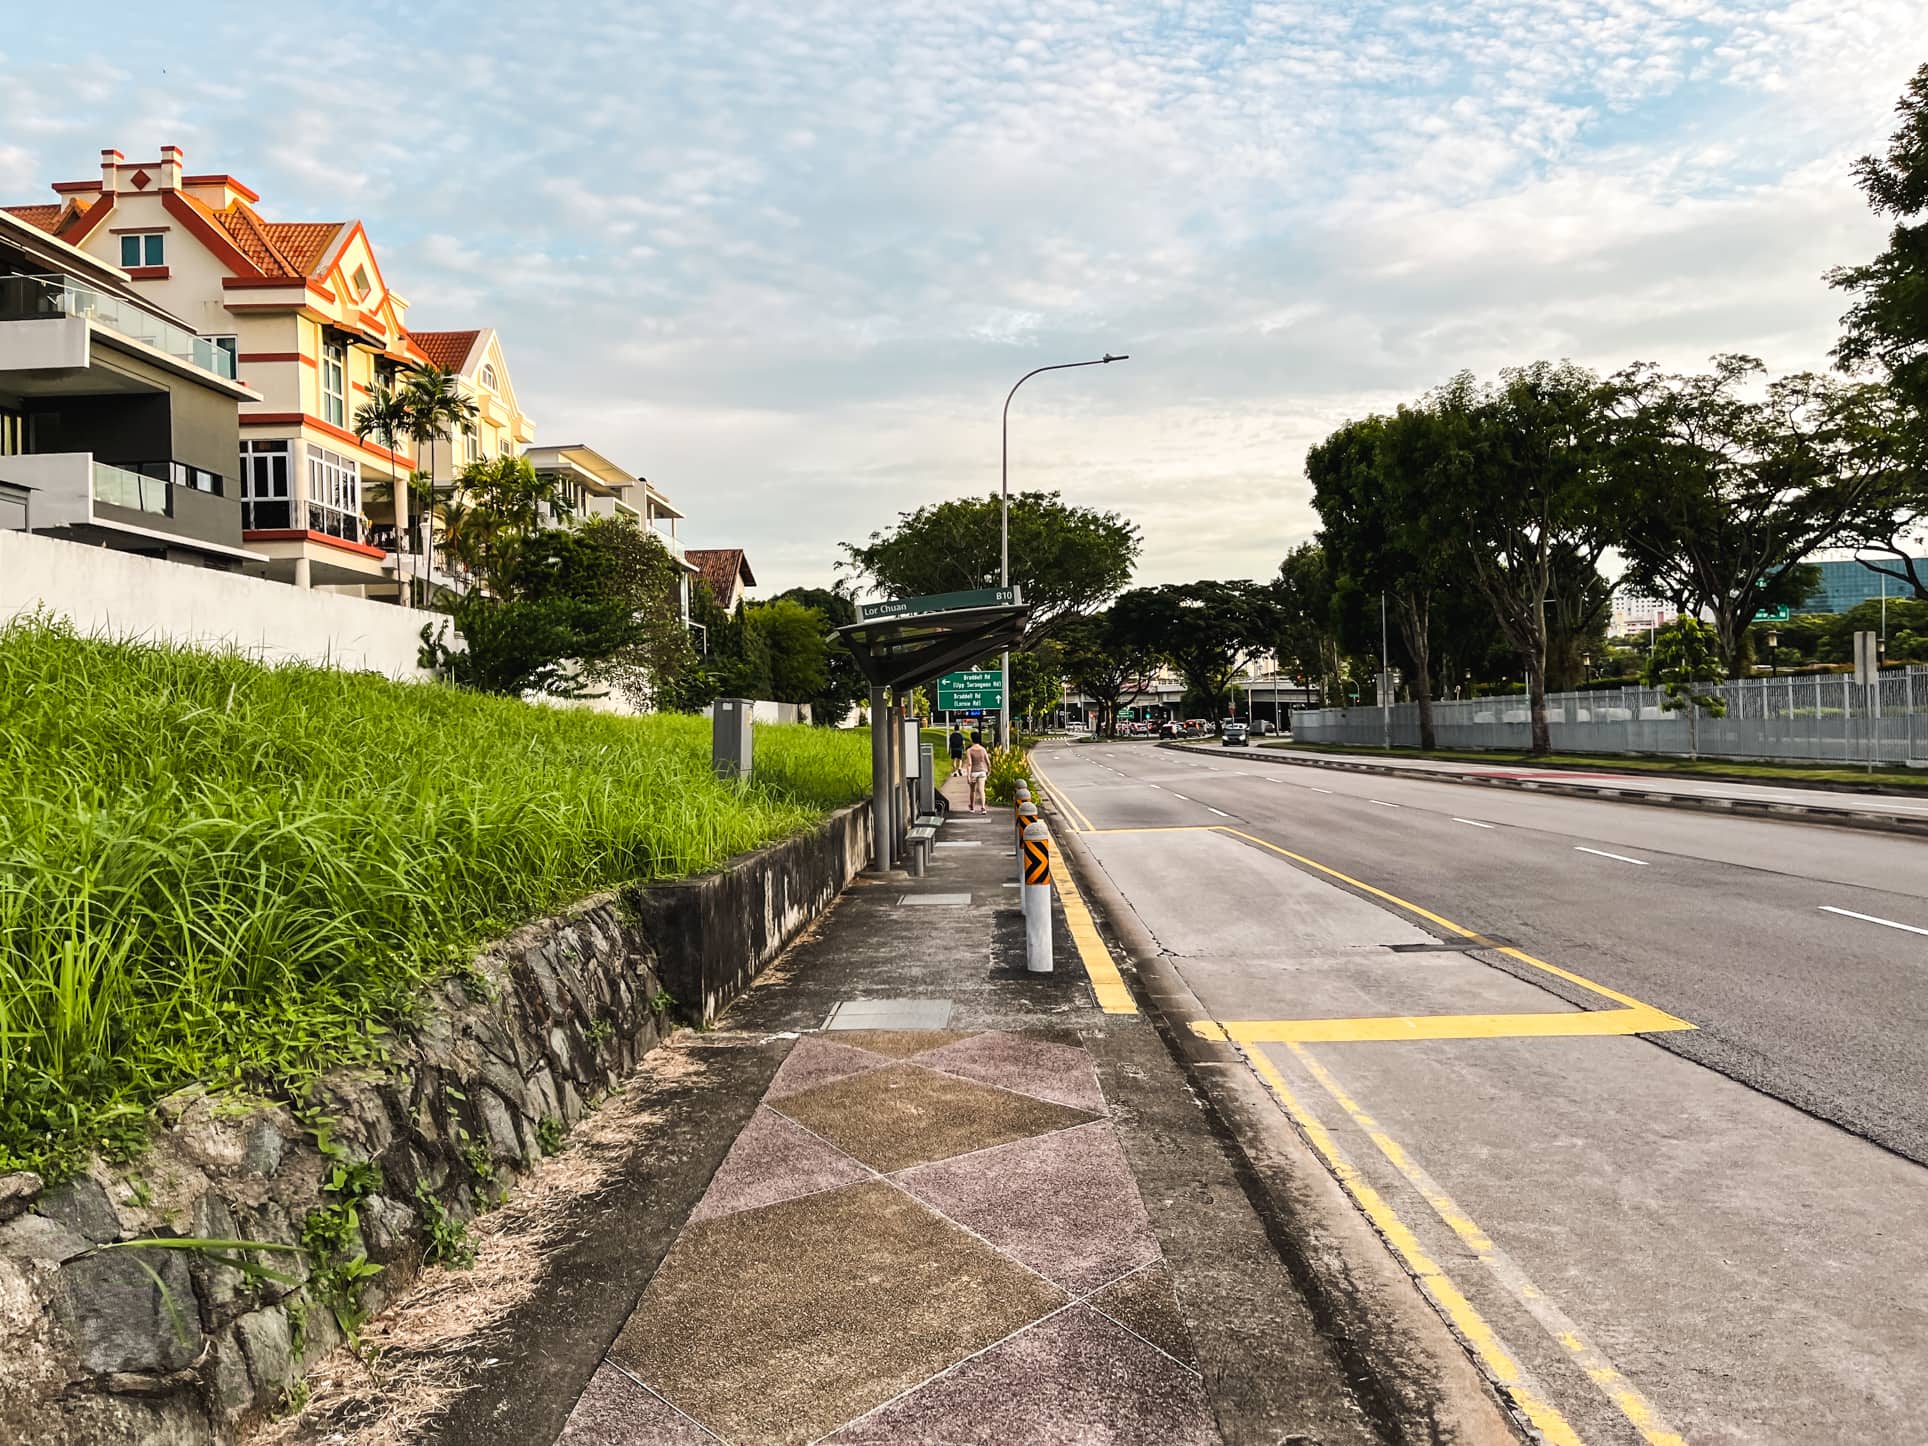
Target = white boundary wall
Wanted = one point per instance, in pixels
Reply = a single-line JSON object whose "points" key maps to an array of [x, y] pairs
{"points": [[124, 595]]}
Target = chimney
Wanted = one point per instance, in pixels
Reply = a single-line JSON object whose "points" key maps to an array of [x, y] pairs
{"points": [[171, 158], [110, 171]]}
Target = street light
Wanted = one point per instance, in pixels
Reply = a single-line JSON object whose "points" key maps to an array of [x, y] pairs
{"points": [[1773, 652], [1004, 519]]}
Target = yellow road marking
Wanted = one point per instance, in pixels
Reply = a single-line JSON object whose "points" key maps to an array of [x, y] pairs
{"points": [[1106, 982], [1501, 1364], [1638, 1410], [1378, 1028], [1072, 811]]}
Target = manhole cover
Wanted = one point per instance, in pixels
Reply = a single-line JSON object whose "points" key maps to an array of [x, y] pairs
{"points": [[934, 901], [890, 1014]]}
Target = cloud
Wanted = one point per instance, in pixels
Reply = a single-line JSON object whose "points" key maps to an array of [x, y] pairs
{"points": [[786, 259]]}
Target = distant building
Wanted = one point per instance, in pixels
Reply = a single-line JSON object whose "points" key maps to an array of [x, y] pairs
{"points": [[1636, 612], [726, 571], [1845, 585], [594, 486]]}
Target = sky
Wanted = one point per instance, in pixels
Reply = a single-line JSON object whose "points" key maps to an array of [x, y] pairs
{"points": [[786, 259]]}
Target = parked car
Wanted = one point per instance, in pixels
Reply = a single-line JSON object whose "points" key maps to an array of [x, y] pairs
{"points": [[1262, 726], [1168, 729], [1232, 732]]}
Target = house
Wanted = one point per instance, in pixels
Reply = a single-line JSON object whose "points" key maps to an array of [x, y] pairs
{"points": [[726, 572], [304, 312], [118, 420], [594, 486]]}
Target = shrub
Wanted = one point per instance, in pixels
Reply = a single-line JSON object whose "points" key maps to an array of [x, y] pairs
{"points": [[1008, 765]]}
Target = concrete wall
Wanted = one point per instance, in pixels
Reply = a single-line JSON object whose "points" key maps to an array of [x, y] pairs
{"points": [[120, 594]]}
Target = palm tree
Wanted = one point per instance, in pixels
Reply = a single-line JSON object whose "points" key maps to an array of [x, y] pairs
{"points": [[436, 410], [386, 416]]}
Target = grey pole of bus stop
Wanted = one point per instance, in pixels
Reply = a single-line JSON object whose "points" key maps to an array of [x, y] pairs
{"points": [[1004, 519]]}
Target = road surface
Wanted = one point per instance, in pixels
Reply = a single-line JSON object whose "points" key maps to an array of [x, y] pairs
{"points": [[1640, 1097]]}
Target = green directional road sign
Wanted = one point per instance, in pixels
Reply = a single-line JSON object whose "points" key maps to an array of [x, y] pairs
{"points": [[943, 602], [970, 692], [1772, 615]]}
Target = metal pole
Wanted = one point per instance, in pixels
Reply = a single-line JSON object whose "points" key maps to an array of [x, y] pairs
{"points": [[1385, 676], [1004, 517], [879, 784]]}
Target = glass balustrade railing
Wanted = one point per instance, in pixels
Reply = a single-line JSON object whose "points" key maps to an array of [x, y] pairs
{"points": [[118, 487], [26, 298]]}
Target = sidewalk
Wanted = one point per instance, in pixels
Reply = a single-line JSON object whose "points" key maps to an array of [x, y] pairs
{"points": [[933, 1226]]}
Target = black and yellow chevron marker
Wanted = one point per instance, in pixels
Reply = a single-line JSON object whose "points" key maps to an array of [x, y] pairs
{"points": [[1037, 861]]}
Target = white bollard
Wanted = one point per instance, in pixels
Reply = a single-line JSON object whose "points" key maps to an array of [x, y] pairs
{"points": [[1037, 899]]}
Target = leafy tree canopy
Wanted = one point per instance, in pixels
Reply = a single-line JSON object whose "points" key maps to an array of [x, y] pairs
{"points": [[1207, 630], [1066, 559]]}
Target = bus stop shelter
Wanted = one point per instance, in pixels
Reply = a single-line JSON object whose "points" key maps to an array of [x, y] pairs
{"points": [[904, 643]]}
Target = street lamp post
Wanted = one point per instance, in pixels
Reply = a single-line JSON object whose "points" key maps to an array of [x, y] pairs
{"points": [[1004, 519]]}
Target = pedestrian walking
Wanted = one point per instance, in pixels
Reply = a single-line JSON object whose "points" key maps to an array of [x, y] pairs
{"points": [[957, 750], [977, 762]]}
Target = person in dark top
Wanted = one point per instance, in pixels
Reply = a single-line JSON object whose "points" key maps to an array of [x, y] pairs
{"points": [[957, 750]]}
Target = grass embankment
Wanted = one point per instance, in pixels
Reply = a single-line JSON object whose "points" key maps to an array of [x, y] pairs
{"points": [[215, 871], [1887, 779]]}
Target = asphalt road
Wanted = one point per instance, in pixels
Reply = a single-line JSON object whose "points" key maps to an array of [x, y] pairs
{"points": [[1667, 1150]]}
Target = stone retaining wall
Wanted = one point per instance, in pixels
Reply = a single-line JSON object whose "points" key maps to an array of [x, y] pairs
{"points": [[103, 1343]]}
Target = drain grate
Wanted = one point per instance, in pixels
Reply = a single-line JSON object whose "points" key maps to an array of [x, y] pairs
{"points": [[1442, 946]]}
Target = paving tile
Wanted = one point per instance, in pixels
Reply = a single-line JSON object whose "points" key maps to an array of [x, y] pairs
{"points": [[814, 1060], [780, 1324], [934, 901], [615, 1411], [1144, 1302], [1060, 1073], [901, 1043], [1065, 1205], [774, 1160], [1075, 1380], [905, 1115]]}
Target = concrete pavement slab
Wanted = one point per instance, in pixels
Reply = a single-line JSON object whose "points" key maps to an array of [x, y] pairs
{"points": [[905, 1115], [1074, 1380], [781, 1324], [617, 1411], [774, 1160], [1061, 1073], [815, 1059], [1063, 1204], [1144, 1304]]}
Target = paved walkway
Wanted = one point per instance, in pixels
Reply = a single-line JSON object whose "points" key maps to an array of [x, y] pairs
{"points": [[928, 1231]]}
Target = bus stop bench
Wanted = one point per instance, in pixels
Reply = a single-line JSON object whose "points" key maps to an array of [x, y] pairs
{"points": [[918, 846]]}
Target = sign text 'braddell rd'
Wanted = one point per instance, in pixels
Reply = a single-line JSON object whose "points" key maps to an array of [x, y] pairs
{"points": [[970, 691]]}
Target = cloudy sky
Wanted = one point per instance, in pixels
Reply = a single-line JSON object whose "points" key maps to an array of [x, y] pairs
{"points": [[786, 258]]}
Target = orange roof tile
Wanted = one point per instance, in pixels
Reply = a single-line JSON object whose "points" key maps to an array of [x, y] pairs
{"points": [[47, 218], [720, 567], [302, 243], [445, 350]]}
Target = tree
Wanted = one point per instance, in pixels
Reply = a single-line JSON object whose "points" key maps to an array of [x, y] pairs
{"points": [[1208, 631], [843, 683], [436, 410], [793, 636], [1721, 493], [1370, 480], [1686, 657], [386, 416], [497, 504], [1886, 331], [1518, 485], [1107, 665], [1037, 680], [1067, 560], [578, 610], [1307, 641]]}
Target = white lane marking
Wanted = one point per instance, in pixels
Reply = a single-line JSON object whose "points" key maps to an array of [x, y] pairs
{"points": [[1383, 804], [1219, 811], [1583, 849], [1873, 919], [1321, 790], [1474, 822], [1176, 794]]}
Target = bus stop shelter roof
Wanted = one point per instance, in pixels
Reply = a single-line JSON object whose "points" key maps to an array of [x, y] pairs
{"points": [[907, 642]]}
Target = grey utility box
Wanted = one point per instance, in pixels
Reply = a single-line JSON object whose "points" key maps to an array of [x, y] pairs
{"points": [[731, 736]]}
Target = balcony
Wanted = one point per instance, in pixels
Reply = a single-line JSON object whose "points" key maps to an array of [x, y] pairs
{"points": [[45, 298], [135, 505], [137, 492]]}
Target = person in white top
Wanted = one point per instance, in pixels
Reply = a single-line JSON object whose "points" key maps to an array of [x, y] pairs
{"points": [[977, 763]]}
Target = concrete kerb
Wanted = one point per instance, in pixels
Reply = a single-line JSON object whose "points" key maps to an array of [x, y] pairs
{"points": [[1758, 808], [1409, 1371]]}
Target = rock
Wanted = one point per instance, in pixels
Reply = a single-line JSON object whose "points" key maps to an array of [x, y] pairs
{"points": [[82, 1205], [269, 1342], [388, 1228], [262, 1145], [230, 1388], [17, 1192], [499, 1124], [175, 1105], [35, 1237], [121, 1321], [216, 1144]]}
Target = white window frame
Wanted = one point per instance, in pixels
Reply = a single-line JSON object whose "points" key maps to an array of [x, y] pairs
{"points": [[488, 376], [334, 399], [262, 480], [334, 487], [141, 240]]}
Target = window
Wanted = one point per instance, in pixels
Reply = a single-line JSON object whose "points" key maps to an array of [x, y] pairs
{"points": [[228, 345], [360, 280], [264, 486], [334, 494], [13, 433], [147, 248], [334, 399], [502, 447], [472, 445], [488, 376]]}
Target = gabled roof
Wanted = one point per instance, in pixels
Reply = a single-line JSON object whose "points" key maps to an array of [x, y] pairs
{"points": [[719, 568], [445, 350], [303, 243]]}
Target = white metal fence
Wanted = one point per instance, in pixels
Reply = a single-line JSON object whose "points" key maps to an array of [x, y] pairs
{"points": [[1826, 718]]}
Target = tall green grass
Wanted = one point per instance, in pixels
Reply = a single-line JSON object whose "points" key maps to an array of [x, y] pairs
{"points": [[216, 871]]}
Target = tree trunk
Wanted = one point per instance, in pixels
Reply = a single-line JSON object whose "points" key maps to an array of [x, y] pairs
{"points": [[1536, 697], [1415, 627]]}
